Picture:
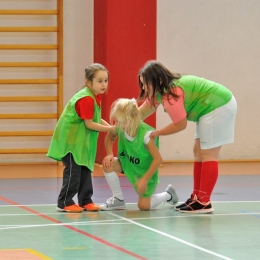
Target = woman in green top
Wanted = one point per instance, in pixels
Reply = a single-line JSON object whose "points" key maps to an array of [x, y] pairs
{"points": [[209, 104], [74, 141], [138, 158]]}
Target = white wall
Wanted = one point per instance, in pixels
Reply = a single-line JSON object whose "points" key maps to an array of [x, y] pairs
{"points": [[218, 40], [78, 44]]}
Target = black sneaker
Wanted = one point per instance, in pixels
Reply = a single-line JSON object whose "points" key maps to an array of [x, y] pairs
{"points": [[188, 201], [197, 207]]}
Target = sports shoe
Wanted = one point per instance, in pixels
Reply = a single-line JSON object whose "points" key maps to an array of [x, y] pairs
{"points": [[72, 209], [91, 207], [113, 203], [197, 207], [188, 201], [174, 198]]}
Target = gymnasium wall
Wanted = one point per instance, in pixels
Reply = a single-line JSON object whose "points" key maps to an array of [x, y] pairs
{"points": [[78, 52], [218, 40]]}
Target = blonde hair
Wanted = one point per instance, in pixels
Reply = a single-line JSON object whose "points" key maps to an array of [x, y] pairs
{"points": [[125, 112]]}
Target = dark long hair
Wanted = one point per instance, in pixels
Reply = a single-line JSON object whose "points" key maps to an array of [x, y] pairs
{"points": [[161, 80]]}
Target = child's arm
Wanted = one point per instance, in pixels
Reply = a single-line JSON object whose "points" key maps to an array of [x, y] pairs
{"points": [[109, 141], [103, 127], [141, 184], [104, 122]]}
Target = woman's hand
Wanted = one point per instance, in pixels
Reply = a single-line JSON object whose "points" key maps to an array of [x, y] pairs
{"points": [[154, 134], [107, 161]]}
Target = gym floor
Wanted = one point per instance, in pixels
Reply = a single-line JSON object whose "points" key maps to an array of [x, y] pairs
{"points": [[31, 228]]}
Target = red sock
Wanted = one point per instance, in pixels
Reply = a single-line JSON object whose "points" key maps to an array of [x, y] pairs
{"points": [[209, 176], [196, 177]]}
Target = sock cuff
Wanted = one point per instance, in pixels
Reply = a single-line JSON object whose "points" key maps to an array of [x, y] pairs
{"points": [[109, 173], [197, 163], [210, 165], [213, 162]]}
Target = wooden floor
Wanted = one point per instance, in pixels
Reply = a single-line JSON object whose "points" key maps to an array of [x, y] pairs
{"points": [[166, 169]]}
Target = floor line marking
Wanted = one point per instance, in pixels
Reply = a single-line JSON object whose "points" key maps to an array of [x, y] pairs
{"points": [[172, 237], [40, 205], [51, 225], [177, 216], [79, 231], [112, 221]]}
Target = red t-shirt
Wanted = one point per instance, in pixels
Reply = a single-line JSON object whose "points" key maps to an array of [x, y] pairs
{"points": [[85, 107]]}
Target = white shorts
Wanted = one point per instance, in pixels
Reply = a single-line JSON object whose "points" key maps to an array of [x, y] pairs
{"points": [[217, 127]]}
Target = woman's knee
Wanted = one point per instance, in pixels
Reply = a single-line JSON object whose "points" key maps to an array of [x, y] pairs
{"points": [[197, 150]]}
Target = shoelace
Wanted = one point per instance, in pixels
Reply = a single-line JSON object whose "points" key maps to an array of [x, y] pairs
{"points": [[110, 201]]}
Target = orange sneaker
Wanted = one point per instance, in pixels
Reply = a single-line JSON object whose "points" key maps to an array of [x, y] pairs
{"points": [[91, 207], [72, 209]]}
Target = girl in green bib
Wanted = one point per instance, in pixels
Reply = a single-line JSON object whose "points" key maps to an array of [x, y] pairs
{"points": [[138, 157], [74, 141], [210, 105]]}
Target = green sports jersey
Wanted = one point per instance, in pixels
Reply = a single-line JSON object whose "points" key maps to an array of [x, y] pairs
{"points": [[72, 136], [201, 96], [135, 158]]}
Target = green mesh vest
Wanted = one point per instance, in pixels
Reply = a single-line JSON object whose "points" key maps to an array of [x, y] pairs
{"points": [[135, 158], [72, 136], [201, 96]]}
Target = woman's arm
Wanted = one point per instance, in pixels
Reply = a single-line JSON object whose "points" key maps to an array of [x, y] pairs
{"points": [[146, 110], [171, 128]]}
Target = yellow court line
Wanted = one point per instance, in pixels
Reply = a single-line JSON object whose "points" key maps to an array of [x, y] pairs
{"points": [[34, 252], [29, 250]]}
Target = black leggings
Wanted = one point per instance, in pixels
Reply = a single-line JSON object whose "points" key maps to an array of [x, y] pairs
{"points": [[77, 179]]}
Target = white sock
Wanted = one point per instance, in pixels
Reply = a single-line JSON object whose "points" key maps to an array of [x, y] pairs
{"points": [[114, 184], [157, 199]]}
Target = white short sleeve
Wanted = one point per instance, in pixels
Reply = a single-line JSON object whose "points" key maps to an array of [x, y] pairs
{"points": [[147, 137]]}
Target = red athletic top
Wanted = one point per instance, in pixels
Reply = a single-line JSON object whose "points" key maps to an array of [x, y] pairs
{"points": [[85, 107]]}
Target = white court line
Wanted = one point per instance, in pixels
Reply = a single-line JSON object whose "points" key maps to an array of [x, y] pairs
{"points": [[7, 227], [28, 205], [39, 205], [108, 222], [112, 220], [177, 216], [172, 237]]}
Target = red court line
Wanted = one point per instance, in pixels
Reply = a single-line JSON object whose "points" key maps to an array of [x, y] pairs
{"points": [[74, 229]]}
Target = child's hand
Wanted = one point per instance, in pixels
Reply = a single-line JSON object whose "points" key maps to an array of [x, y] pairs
{"points": [[107, 161], [113, 130], [141, 186]]}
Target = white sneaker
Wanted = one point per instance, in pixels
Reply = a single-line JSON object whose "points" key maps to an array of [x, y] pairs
{"points": [[113, 203], [174, 199]]}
